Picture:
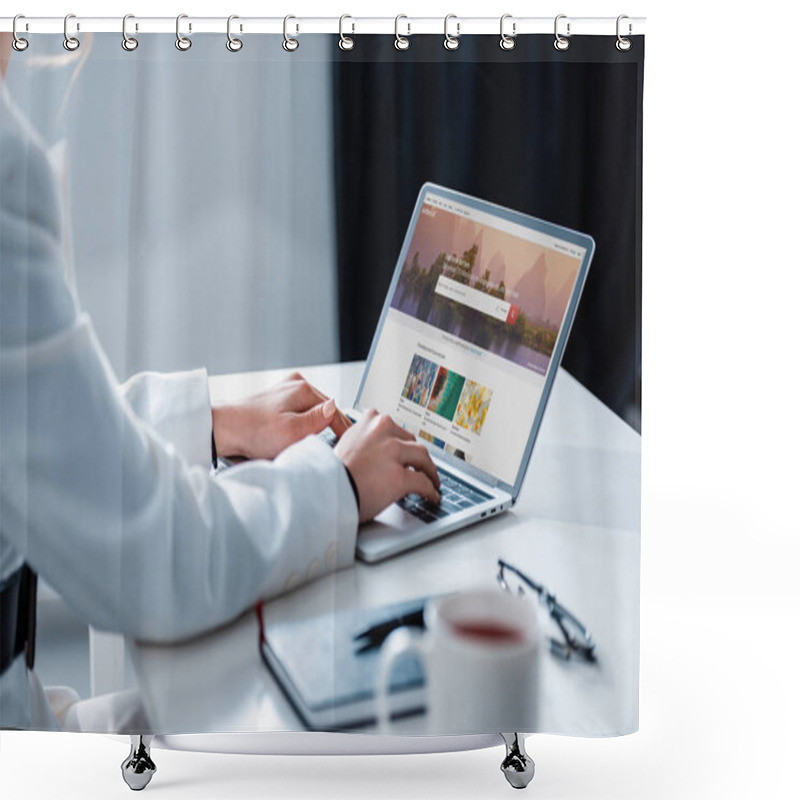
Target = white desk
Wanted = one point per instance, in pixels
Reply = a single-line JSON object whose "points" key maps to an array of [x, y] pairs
{"points": [[575, 528]]}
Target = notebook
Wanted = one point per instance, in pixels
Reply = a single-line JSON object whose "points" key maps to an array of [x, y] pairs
{"points": [[330, 685]]}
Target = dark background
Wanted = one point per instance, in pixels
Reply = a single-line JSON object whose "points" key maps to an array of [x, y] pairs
{"points": [[553, 134]]}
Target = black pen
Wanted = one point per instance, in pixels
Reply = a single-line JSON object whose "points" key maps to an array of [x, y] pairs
{"points": [[375, 635]]}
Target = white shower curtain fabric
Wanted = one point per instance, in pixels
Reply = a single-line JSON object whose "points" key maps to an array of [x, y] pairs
{"points": [[173, 217]]}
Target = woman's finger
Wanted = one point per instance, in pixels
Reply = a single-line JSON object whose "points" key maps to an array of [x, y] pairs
{"points": [[340, 423], [413, 454], [417, 482]]}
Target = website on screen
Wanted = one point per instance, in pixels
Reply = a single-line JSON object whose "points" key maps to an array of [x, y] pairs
{"points": [[470, 332]]}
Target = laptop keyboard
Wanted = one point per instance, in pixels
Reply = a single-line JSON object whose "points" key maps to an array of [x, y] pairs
{"points": [[456, 496]]}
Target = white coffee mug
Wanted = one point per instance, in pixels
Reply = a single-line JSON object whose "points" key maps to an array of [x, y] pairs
{"points": [[480, 654]]}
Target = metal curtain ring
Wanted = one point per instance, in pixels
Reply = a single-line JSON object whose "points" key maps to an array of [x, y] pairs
{"points": [[19, 44], [70, 42], [623, 44], [451, 42], [507, 42], [233, 44], [182, 42], [128, 42], [561, 42], [289, 44], [401, 42], [346, 42]]}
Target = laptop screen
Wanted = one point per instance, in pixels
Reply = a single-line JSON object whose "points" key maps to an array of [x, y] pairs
{"points": [[469, 333]]}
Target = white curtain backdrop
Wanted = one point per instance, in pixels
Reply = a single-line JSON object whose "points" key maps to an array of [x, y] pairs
{"points": [[200, 190]]}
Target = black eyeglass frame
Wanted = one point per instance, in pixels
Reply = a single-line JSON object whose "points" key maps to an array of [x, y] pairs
{"points": [[581, 642]]}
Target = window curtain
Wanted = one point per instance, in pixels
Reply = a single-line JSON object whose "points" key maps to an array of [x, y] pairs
{"points": [[200, 195]]}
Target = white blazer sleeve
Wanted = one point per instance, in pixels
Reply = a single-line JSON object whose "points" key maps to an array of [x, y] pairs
{"points": [[135, 537], [176, 405]]}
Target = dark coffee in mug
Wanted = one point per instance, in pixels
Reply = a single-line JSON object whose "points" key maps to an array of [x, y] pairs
{"points": [[488, 630]]}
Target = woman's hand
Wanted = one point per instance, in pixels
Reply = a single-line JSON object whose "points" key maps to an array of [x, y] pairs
{"points": [[264, 425], [386, 464]]}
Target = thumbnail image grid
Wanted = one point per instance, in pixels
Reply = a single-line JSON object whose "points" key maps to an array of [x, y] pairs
{"points": [[445, 393], [458, 452], [419, 380], [473, 407], [434, 440]]}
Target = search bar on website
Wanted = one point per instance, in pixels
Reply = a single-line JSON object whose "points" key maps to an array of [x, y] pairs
{"points": [[474, 298]]}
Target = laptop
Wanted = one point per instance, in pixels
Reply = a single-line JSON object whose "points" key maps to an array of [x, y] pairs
{"points": [[465, 354]]}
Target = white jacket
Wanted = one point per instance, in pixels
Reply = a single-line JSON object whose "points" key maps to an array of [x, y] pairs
{"points": [[106, 492]]}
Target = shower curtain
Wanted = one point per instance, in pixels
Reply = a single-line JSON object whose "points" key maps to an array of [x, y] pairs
{"points": [[172, 214]]}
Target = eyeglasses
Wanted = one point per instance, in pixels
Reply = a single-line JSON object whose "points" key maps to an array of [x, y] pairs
{"points": [[575, 635]]}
